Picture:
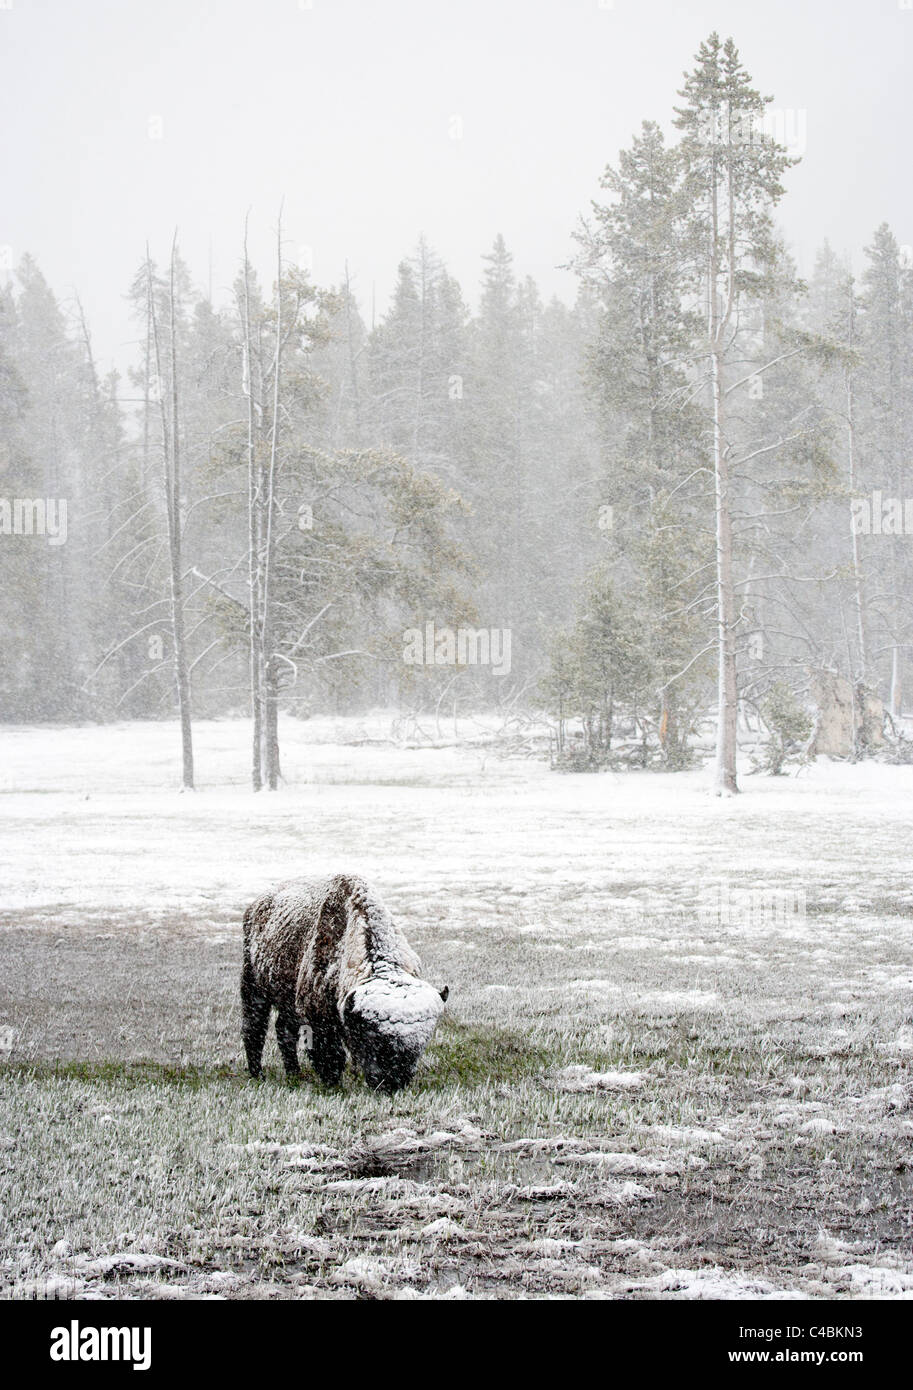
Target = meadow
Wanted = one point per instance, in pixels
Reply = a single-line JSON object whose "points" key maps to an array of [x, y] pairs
{"points": [[675, 1061]]}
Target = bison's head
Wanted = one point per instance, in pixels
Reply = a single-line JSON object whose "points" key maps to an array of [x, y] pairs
{"points": [[389, 1022]]}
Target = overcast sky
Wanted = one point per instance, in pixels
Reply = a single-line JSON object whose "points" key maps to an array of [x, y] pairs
{"points": [[380, 119]]}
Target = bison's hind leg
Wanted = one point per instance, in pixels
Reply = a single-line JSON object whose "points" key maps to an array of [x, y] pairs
{"points": [[254, 1023], [287, 1029], [327, 1053]]}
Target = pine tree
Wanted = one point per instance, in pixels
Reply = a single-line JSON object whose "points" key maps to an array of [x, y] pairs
{"points": [[51, 465], [886, 429], [732, 180], [653, 492], [832, 315]]}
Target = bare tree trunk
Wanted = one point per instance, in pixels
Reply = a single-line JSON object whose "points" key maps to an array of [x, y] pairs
{"points": [[896, 684], [271, 724], [171, 478], [182, 675], [897, 622], [268, 663], [147, 373], [898, 567], [858, 585], [727, 689], [254, 513], [353, 372], [420, 381]]}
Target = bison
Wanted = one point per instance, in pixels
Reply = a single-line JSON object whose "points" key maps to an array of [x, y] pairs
{"points": [[327, 955]]}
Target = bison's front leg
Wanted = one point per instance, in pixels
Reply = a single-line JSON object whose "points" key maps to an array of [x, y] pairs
{"points": [[327, 1053], [287, 1029]]}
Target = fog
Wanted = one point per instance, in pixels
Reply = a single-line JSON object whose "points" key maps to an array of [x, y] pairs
{"points": [[350, 111]]}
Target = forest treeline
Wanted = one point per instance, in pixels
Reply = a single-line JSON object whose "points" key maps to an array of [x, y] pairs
{"points": [[688, 488]]}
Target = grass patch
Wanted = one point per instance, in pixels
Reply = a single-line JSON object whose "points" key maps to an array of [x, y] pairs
{"points": [[471, 1056], [128, 1074], [888, 907], [466, 1055], [459, 1055]]}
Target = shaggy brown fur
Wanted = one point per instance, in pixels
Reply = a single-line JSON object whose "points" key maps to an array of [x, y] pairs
{"points": [[327, 955]]}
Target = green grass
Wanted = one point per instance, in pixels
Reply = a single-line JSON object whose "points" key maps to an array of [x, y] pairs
{"points": [[465, 1055], [126, 1074], [459, 1055], [200, 1165]]}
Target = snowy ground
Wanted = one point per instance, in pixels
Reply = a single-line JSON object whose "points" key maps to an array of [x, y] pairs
{"points": [[675, 1063]]}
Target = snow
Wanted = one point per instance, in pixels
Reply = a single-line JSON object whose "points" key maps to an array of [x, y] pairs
{"points": [[818, 1126], [619, 1162], [399, 1005], [444, 1229], [873, 1281], [714, 1284], [128, 1261], [114, 788], [583, 1078], [563, 910]]}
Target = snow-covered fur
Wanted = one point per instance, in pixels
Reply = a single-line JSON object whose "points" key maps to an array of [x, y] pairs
{"points": [[327, 955]]}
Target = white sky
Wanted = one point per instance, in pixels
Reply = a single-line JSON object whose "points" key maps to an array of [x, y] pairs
{"points": [[345, 110]]}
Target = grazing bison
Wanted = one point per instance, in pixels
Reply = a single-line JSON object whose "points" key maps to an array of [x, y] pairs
{"points": [[327, 955]]}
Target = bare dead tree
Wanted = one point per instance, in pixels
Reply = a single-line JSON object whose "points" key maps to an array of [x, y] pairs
{"points": [[856, 558], [255, 543], [171, 484], [268, 666]]}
